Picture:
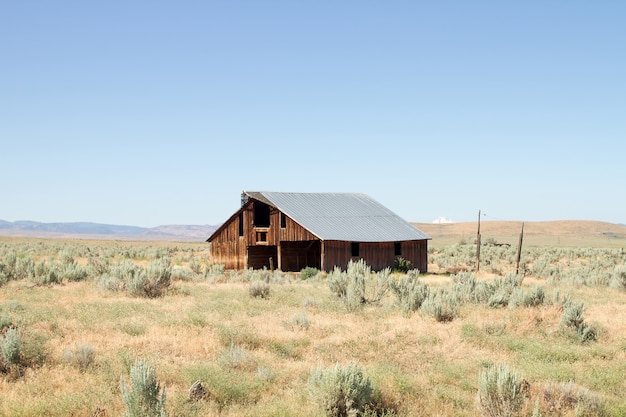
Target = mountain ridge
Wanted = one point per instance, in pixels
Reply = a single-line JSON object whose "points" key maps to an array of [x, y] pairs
{"points": [[29, 228]]}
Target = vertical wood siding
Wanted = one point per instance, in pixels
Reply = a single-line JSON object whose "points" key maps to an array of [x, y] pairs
{"points": [[378, 255]]}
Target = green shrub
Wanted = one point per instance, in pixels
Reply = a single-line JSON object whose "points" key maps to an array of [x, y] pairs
{"points": [[308, 272], [82, 357], [357, 286], [502, 288], [181, 273], [340, 391], [6, 321], [443, 306], [532, 298], [259, 289], [195, 266], [572, 319], [469, 289], [47, 274], [409, 292], [74, 272], [8, 266], [401, 265], [23, 267], [144, 397], [619, 276], [338, 282], [152, 282], [66, 256], [214, 270], [500, 392], [10, 345], [99, 266]]}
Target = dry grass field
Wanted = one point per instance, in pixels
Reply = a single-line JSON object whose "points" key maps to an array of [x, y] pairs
{"points": [[564, 233], [80, 334]]}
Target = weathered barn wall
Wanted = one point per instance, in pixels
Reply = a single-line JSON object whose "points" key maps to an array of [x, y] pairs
{"points": [[378, 255]]}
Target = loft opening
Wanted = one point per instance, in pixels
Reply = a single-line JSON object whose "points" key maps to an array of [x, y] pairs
{"points": [[261, 214]]}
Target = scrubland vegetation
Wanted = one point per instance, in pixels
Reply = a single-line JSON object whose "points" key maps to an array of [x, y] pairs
{"points": [[134, 329]]}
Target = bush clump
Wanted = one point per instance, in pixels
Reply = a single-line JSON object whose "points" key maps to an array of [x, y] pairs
{"points": [[500, 392], [308, 272], [82, 357], [10, 345], [358, 286], [151, 282], [532, 298], [442, 305], [503, 289], [410, 293], [340, 391], [143, 397], [155, 279], [214, 270], [563, 396], [259, 289], [401, 265], [573, 320], [619, 276]]}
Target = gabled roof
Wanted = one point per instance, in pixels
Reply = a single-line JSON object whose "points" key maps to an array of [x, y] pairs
{"points": [[341, 216]]}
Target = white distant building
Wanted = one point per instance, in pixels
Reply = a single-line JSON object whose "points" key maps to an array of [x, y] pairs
{"points": [[442, 220]]}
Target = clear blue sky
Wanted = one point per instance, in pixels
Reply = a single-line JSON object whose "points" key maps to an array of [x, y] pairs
{"points": [[160, 112]]}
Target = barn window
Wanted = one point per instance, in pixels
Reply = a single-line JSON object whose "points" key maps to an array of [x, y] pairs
{"points": [[261, 214], [397, 248], [261, 237], [355, 248], [241, 223], [283, 220]]}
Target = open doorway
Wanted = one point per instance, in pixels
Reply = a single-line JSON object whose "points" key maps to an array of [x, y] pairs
{"points": [[294, 256]]}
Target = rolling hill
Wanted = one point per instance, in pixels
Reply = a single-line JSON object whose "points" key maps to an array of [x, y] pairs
{"points": [[580, 233], [98, 231]]}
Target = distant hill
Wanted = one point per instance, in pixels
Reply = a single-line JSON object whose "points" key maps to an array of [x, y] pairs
{"points": [[86, 230], [580, 233]]}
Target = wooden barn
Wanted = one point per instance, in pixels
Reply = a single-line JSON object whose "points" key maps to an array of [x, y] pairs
{"points": [[290, 231]]}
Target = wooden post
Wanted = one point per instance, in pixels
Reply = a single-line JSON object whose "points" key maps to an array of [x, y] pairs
{"points": [[271, 264], [478, 245], [519, 250]]}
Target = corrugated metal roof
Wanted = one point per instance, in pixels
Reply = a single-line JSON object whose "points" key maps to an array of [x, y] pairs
{"points": [[342, 216]]}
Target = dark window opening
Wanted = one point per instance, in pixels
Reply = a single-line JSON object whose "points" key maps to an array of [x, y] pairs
{"points": [[261, 237], [241, 223], [355, 248], [283, 220], [261, 214], [397, 248]]}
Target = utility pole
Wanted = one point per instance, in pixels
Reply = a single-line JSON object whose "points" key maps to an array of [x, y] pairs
{"points": [[478, 245], [519, 250]]}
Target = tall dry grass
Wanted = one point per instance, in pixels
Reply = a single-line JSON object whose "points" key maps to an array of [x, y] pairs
{"points": [[254, 357]]}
